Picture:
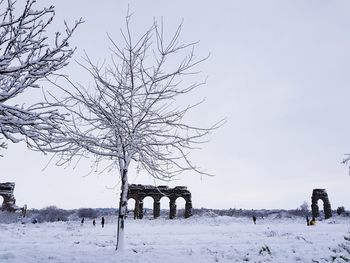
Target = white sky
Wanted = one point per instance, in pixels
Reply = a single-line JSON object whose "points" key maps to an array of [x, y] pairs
{"points": [[278, 72]]}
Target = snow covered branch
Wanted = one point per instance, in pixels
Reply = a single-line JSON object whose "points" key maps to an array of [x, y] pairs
{"points": [[26, 57], [131, 115]]}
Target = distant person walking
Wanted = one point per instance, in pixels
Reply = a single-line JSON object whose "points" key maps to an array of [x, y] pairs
{"points": [[307, 221], [24, 210], [254, 220], [103, 221], [94, 222], [82, 221]]}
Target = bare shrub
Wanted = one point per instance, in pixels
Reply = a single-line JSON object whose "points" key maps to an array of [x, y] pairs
{"points": [[340, 210], [51, 214]]}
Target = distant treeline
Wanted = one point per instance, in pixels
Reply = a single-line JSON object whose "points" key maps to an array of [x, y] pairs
{"points": [[53, 213], [276, 213]]}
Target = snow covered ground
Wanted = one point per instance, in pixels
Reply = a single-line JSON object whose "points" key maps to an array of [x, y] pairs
{"points": [[198, 239]]}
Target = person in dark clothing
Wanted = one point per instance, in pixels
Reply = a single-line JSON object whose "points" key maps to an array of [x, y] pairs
{"points": [[307, 221], [254, 220], [93, 222], [103, 221], [82, 221]]}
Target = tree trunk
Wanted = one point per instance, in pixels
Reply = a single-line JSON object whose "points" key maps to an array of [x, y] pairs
{"points": [[122, 210]]}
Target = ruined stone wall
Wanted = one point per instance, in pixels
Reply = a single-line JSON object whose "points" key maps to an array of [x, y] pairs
{"points": [[139, 192], [318, 194], [6, 191]]}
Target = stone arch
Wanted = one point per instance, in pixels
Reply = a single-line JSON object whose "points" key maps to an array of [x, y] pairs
{"points": [[181, 191], [6, 191], [318, 194]]}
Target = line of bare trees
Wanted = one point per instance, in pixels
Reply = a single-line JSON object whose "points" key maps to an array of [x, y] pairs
{"points": [[130, 115]]}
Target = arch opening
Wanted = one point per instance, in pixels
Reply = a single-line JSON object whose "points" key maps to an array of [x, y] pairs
{"points": [[321, 205], [164, 206], [148, 203], [131, 208], [180, 207]]}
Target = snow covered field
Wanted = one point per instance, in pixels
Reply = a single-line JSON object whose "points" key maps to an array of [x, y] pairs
{"points": [[198, 239]]}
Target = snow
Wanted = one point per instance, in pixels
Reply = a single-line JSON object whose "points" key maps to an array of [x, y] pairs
{"points": [[198, 239]]}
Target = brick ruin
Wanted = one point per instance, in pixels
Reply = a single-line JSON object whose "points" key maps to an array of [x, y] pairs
{"points": [[318, 194], [6, 191], [138, 192]]}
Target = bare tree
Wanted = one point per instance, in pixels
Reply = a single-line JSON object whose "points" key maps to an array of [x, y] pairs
{"points": [[25, 58], [304, 207], [131, 115]]}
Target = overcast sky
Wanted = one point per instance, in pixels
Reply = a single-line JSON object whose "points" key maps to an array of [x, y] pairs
{"points": [[278, 72]]}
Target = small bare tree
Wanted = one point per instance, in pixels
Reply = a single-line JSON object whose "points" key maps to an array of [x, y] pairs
{"points": [[131, 114], [25, 58], [304, 207]]}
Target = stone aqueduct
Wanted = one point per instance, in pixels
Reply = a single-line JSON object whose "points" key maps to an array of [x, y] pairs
{"points": [[139, 192]]}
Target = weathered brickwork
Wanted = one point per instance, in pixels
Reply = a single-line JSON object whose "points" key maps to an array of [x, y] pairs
{"points": [[320, 194], [138, 192]]}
